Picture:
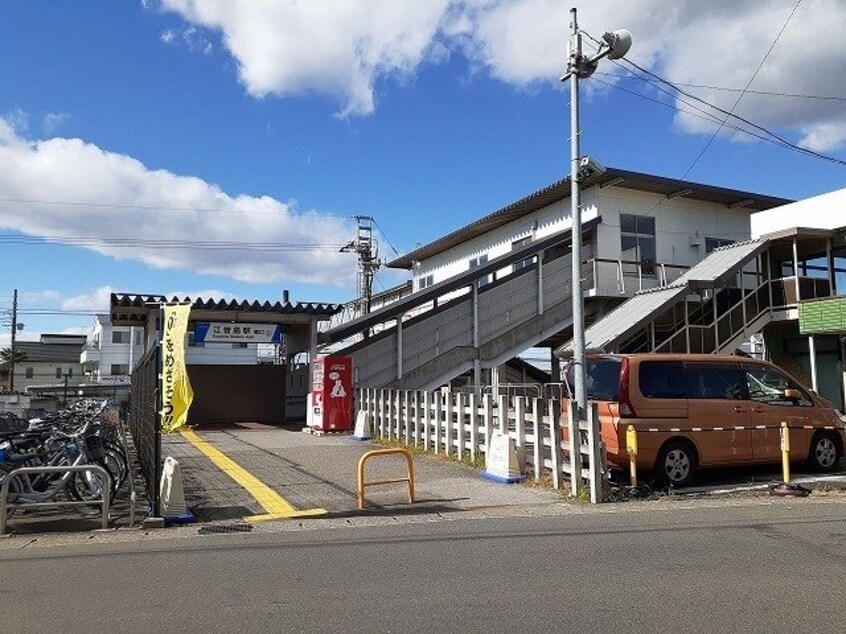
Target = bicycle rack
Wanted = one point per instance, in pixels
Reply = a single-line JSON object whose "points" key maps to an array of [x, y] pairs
{"points": [[4, 491]]}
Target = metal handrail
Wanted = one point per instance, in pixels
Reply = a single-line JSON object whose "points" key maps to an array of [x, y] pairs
{"points": [[104, 498]]}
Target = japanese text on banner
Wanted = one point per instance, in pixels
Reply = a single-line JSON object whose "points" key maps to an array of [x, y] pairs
{"points": [[176, 388]]}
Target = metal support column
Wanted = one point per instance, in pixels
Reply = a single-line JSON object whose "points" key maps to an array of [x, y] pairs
{"points": [[399, 347], [812, 355], [477, 364]]}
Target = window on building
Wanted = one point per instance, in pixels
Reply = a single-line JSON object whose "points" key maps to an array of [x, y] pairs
{"points": [[70, 373], [58, 373], [476, 263], [425, 281], [522, 264], [29, 373], [138, 335], [120, 337], [637, 242], [119, 369], [716, 243]]}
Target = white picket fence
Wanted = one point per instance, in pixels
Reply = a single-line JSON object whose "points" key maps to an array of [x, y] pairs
{"points": [[462, 424]]}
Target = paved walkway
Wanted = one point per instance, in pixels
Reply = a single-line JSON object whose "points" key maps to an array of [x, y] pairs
{"points": [[320, 472]]}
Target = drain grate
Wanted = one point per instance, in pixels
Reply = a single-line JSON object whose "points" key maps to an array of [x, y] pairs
{"points": [[224, 528]]}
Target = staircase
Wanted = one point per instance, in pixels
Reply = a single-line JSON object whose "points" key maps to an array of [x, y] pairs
{"points": [[438, 333]]}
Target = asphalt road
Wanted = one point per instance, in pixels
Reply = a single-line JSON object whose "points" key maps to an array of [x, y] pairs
{"points": [[741, 566]]}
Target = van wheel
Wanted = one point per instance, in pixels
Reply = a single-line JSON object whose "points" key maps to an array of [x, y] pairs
{"points": [[676, 464], [825, 452]]}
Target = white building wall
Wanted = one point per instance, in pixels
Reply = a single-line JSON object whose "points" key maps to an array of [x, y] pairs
{"points": [[221, 354], [540, 224], [679, 222], [109, 356], [681, 226], [826, 211]]}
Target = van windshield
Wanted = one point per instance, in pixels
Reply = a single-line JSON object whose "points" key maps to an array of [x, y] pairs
{"points": [[602, 381]]}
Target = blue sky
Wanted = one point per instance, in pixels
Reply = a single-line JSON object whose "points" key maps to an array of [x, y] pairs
{"points": [[233, 127]]}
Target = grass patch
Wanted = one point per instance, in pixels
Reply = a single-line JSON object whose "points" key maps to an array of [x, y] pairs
{"points": [[477, 462]]}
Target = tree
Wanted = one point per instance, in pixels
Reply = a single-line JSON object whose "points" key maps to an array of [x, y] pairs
{"points": [[6, 355]]}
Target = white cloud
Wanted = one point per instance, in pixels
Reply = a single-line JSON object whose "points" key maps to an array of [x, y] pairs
{"points": [[17, 119], [53, 120], [168, 36], [338, 47], [154, 216], [342, 48], [718, 43], [95, 301]]}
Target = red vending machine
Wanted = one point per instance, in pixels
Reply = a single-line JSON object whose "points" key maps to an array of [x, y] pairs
{"points": [[330, 406]]}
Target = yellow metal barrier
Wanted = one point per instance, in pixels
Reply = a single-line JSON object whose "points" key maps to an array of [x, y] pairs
{"points": [[785, 452], [385, 452], [631, 448]]}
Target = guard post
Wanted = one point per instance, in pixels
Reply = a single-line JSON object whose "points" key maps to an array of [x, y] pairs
{"points": [[385, 452], [631, 449], [785, 451]]}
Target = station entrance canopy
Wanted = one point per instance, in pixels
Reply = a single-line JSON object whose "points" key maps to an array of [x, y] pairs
{"points": [[298, 320]]}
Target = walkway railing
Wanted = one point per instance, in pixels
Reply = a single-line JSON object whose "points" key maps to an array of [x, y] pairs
{"points": [[458, 424]]}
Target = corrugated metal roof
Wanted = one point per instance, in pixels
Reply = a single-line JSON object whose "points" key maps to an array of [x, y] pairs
{"points": [[636, 312], [627, 318], [721, 263], [561, 190], [125, 300]]}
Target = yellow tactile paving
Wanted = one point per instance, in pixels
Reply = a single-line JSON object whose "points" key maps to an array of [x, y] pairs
{"points": [[275, 505]]}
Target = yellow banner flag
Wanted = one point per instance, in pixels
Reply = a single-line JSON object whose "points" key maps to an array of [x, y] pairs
{"points": [[176, 388]]}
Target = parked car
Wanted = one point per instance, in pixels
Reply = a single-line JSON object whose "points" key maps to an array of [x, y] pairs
{"points": [[695, 411]]}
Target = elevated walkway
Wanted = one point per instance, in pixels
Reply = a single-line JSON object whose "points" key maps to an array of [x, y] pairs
{"points": [[471, 320]]}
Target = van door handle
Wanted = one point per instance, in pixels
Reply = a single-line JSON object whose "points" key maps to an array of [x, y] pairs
{"points": [[740, 410], [757, 410]]}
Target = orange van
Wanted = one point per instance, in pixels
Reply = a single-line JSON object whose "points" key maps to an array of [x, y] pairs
{"points": [[695, 411]]}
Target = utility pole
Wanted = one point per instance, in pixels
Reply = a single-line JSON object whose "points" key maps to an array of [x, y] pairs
{"points": [[368, 261], [14, 332], [614, 46]]}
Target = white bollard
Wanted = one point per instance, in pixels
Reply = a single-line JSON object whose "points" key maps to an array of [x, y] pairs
{"points": [[172, 495], [501, 462], [362, 426]]}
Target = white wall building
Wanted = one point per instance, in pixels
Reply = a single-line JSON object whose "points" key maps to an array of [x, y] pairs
{"points": [[113, 351], [666, 224]]}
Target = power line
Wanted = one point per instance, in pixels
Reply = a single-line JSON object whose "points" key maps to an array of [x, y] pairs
{"points": [[782, 141], [768, 93], [704, 116], [728, 113], [381, 231], [199, 245], [70, 203]]}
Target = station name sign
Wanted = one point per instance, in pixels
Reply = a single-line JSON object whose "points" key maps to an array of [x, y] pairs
{"points": [[224, 332]]}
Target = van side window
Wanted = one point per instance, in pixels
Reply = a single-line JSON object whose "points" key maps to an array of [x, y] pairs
{"points": [[767, 386], [716, 380], [661, 379], [602, 379]]}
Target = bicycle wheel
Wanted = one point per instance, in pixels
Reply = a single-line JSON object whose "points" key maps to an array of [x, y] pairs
{"points": [[14, 490], [115, 464], [87, 486]]}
